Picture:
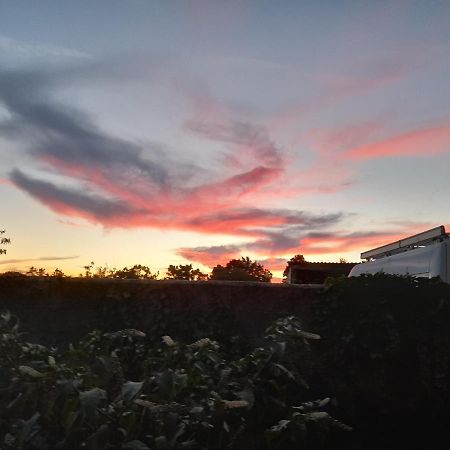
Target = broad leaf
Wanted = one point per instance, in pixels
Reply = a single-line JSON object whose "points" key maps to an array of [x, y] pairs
{"points": [[131, 389]]}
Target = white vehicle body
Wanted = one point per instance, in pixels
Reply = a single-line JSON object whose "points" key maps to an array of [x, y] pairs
{"points": [[424, 255]]}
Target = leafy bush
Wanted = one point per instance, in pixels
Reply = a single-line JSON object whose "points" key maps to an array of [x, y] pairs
{"points": [[115, 391]]}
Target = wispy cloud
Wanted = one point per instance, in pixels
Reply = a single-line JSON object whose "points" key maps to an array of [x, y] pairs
{"points": [[334, 151], [275, 264], [252, 142], [117, 183], [211, 256], [366, 78], [16, 46], [335, 141], [42, 258], [339, 151], [309, 243], [323, 243], [418, 142], [363, 141], [71, 202], [277, 232]]}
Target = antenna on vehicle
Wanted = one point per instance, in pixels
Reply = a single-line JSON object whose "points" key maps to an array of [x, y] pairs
{"points": [[421, 239]]}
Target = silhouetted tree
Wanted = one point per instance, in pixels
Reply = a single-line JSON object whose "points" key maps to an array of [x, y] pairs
{"points": [[3, 241], [104, 272], [35, 272], [297, 259], [12, 273], [88, 270], [137, 272], [243, 269], [184, 272], [58, 273]]}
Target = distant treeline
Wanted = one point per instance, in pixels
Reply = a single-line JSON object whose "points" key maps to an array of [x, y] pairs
{"points": [[243, 269]]}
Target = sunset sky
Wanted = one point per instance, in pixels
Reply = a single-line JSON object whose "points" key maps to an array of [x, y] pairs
{"points": [[176, 132]]}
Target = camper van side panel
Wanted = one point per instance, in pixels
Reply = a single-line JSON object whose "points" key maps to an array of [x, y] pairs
{"points": [[429, 262], [438, 261], [446, 266], [419, 262], [371, 267]]}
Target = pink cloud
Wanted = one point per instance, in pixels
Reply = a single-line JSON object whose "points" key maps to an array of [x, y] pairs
{"points": [[114, 185], [312, 245], [246, 144], [337, 88], [266, 225], [337, 150], [231, 190], [210, 256], [6, 182], [422, 142], [71, 223], [174, 207], [329, 142], [274, 264], [323, 244]]}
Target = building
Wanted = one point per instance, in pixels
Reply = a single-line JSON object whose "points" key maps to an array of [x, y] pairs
{"points": [[317, 272]]}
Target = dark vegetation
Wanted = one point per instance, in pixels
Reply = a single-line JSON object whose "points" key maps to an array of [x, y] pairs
{"points": [[130, 390], [386, 359], [3, 241], [243, 269], [185, 272], [136, 272], [382, 365]]}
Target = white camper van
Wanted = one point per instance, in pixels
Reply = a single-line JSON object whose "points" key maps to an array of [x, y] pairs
{"points": [[425, 254]]}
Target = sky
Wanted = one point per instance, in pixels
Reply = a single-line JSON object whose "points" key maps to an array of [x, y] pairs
{"points": [[194, 132]]}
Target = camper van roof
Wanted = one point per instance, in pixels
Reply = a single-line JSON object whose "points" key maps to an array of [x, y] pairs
{"points": [[425, 238]]}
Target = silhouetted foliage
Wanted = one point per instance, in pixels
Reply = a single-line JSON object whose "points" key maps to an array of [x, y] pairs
{"points": [[136, 272], [243, 269], [58, 273], [35, 272], [41, 272], [3, 241], [185, 272], [88, 270], [98, 272], [12, 273], [104, 272]]}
